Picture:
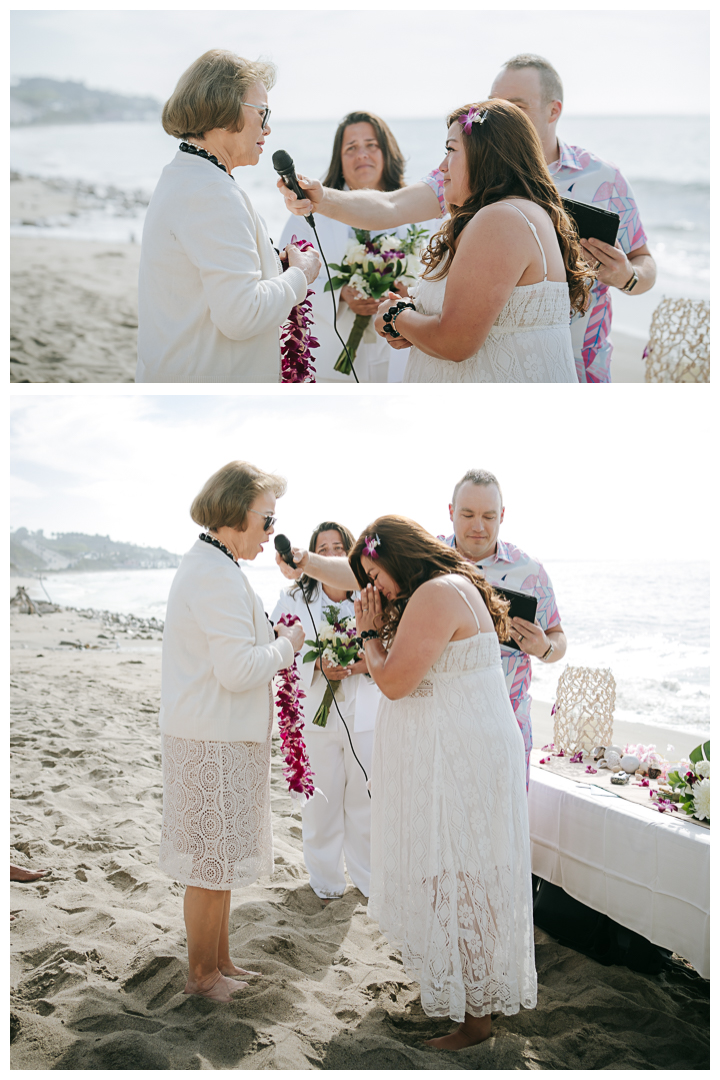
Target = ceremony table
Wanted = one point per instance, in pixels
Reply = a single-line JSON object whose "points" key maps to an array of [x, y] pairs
{"points": [[648, 871]]}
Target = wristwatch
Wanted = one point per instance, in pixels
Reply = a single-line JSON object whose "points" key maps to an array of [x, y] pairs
{"points": [[548, 653], [631, 283]]}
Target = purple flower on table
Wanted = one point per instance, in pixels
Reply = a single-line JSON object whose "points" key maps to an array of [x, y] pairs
{"points": [[642, 783], [549, 746], [665, 804], [560, 753], [590, 769], [544, 760], [576, 759]]}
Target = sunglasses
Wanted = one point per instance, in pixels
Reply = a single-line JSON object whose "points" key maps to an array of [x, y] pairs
{"points": [[260, 108], [270, 519]]}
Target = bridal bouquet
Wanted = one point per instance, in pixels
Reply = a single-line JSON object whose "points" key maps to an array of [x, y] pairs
{"points": [[690, 784], [338, 643], [372, 267]]}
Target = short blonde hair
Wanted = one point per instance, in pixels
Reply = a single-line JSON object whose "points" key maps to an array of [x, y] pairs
{"points": [[230, 492], [211, 92]]}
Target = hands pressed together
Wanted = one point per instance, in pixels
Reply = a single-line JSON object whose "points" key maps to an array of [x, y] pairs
{"points": [[368, 610]]}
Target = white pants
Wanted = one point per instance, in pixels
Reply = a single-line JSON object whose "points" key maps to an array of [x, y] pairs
{"points": [[340, 823]]}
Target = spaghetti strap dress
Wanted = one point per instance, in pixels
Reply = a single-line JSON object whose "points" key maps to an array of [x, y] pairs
{"points": [[450, 848], [529, 341]]}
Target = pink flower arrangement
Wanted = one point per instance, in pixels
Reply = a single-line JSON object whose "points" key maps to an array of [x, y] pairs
{"points": [[296, 340], [289, 693]]}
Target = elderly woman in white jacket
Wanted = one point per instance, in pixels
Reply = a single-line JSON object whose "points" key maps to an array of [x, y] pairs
{"points": [[212, 294], [220, 654], [336, 823]]}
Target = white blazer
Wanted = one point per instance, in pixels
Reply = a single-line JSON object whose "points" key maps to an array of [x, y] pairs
{"points": [[219, 653], [211, 294]]}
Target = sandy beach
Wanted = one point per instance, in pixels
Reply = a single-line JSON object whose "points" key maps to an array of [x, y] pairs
{"points": [[74, 302], [98, 951]]}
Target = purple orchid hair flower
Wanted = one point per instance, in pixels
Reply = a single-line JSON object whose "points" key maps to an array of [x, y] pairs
{"points": [[371, 543], [472, 116]]}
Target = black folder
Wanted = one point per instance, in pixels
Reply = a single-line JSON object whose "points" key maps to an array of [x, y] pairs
{"points": [[592, 221], [522, 606]]}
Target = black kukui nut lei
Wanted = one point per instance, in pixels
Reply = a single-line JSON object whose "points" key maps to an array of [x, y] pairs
{"points": [[218, 544], [200, 151]]}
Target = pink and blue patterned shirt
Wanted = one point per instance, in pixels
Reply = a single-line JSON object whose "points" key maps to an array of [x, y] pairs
{"points": [[585, 177], [512, 568]]}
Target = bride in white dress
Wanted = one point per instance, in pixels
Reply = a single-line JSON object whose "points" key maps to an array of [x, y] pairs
{"points": [[505, 272], [450, 849]]}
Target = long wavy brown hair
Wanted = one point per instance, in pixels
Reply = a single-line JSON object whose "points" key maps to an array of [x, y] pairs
{"points": [[505, 160], [411, 556], [393, 176]]}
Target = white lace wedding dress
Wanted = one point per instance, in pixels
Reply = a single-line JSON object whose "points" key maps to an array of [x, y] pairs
{"points": [[529, 341], [451, 880]]}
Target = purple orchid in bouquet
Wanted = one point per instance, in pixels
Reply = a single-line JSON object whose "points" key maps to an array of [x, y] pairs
{"points": [[373, 266], [296, 340]]}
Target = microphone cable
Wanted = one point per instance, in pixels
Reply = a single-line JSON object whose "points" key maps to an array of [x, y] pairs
{"points": [[283, 554], [285, 167]]}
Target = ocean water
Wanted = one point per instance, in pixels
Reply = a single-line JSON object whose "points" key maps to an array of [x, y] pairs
{"points": [[636, 618], [665, 159]]}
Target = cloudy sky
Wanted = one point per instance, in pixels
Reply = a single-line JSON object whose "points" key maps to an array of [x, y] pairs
{"points": [[422, 61], [614, 478]]}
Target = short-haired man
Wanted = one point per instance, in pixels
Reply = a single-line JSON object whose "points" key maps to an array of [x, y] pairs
{"points": [[533, 84], [476, 512]]}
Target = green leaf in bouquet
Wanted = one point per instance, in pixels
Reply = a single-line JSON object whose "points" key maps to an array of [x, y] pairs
{"points": [[335, 266], [310, 657], [362, 235], [674, 778], [700, 753], [336, 283]]}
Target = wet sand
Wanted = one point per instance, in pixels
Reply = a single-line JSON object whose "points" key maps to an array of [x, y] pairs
{"points": [[98, 948]]}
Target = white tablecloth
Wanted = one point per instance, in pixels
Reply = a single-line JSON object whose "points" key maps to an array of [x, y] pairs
{"points": [[647, 871]]}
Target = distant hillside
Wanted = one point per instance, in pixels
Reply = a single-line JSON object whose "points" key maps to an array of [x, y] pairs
{"points": [[31, 552], [49, 101]]}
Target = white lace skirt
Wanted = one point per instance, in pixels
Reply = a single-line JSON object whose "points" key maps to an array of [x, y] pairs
{"points": [[216, 829]]}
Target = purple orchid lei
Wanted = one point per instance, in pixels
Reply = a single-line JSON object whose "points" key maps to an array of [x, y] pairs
{"points": [[296, 770], [296, 340], [472, 116]]}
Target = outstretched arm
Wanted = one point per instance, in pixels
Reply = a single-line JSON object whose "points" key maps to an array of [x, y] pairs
{"points": [[330, 570], [365, 209]]}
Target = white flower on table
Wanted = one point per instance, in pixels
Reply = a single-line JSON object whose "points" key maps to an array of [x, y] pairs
{"points": [[701, 793]]}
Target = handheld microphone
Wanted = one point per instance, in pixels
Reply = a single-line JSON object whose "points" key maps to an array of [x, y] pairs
{"points": [[285, 167], [284, 549]]}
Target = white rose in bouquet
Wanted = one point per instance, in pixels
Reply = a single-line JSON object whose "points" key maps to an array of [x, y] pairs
{"points": [[702, 768], [355, 253]]}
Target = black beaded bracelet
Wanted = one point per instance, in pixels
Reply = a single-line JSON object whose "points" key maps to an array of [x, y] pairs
{"points": [[366, 635], [392, 313]]}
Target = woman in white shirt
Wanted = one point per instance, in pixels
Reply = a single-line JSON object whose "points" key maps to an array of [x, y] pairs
{"points": [[365, 155], [335, 823], [212, 294], [219, 657]]}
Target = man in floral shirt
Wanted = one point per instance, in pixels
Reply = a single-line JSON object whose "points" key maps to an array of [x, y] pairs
{"points": [[476, 512], [534, 85]]}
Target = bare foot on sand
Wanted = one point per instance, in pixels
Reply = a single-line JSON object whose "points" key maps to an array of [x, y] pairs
{"points": [[18, 873], [216, 988], [473, 1031], [231, 969]]}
